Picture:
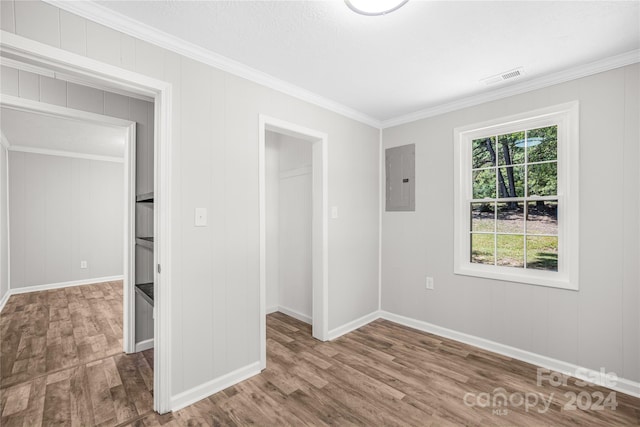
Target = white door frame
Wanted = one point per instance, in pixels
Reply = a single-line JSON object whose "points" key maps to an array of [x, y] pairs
{"points": [[320, 225], [129, 161], [93, 72]]}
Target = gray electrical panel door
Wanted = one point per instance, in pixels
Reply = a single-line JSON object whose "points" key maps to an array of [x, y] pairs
{"points": [[400, 173]]}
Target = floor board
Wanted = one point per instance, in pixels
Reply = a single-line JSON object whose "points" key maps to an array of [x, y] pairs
{"points": [[61, 364], [52, 330]]}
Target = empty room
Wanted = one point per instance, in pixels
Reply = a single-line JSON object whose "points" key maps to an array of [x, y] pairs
{"points": [[389, 212]]}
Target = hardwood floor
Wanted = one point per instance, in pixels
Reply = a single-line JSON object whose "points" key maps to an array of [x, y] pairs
{"points": [[47, 331], [62, 362], [381, 374]]}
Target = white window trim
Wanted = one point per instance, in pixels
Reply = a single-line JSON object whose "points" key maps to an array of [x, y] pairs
{"points": [[566, 117]]}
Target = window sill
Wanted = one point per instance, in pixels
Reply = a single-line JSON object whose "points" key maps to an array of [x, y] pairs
{"points": [[531, 277]]}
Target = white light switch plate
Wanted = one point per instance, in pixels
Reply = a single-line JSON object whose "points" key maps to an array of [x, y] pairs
{"points": [[429, 283], [201, 217]]}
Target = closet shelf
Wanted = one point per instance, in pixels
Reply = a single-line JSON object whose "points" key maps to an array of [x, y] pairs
{"points": [[145, 242], [145, 290], [145, 198]]}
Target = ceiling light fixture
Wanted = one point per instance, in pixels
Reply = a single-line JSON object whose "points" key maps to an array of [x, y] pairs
{"points": [[374, 7]]}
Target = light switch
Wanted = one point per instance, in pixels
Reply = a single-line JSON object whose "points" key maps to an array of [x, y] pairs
{"points": [[429, 284], [201, 217], [334, 212]]}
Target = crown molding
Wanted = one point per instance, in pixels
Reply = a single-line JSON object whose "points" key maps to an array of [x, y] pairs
{"points": [[574, 73], [41, 71], [37, 107], [60, 153], [108, 17], [86, 82], [105, 16]]}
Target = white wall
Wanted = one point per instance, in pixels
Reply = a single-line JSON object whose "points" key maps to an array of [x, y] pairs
{"points": [[4, 211], [288, 196], [63, 211], [596, 327], [28, 85], [215, 272]]}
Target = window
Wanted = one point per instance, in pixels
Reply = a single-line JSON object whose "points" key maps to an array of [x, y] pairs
{"points": [[516, 202]]}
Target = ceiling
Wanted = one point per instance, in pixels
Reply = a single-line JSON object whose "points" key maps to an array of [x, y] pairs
{"points": [[423, 55], [45, 132]]}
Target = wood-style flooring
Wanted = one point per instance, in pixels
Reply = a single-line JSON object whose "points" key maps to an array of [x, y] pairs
{"points": [[381, 374], [47, 331]]}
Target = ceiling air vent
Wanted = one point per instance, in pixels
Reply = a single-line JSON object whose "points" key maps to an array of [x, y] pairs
{"points": [[506, 75]]}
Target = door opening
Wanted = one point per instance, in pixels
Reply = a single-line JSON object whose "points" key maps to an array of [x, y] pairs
{"points": [[288, 169], [64, 127], [97, 74], [303, 153]]}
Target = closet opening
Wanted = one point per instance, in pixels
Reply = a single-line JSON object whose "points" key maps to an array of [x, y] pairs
{"points": [[293, 230], [288, 171]]}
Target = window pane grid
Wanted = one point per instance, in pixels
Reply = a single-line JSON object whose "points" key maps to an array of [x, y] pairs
{"points": [[516, 199], [513, 234], [542, 162], [526, 216], [526, 236], [526, 204], [523, 192], [483, 169]]}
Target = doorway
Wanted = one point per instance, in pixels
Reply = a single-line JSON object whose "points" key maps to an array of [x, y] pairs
{"points": [[288, 226], [82, 153], [86, 71], [307, 161]]}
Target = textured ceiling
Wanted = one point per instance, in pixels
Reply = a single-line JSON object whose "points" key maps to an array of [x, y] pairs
{"points": [[424, 54], [34, 130]]}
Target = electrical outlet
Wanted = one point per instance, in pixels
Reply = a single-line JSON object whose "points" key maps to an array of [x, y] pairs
{"points": [[83, 264], [429, 283]]}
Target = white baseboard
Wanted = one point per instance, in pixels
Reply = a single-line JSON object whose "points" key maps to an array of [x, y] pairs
{"points": [[589, 375], [195, 394], [289, 312], [622, 385], [144, 345], [47, 287], [4, 299], [50, 286], [202, 391], [296, 315], [353, 325]]}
